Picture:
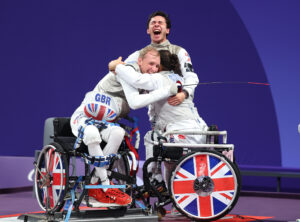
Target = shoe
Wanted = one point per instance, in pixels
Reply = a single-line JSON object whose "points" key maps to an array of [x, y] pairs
{"points": [[93, 192], [117, 196], [111, 196], [117, 190]]}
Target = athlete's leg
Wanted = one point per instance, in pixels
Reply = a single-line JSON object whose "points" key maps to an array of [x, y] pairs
{"points": [[92, 139], [113, 136]]}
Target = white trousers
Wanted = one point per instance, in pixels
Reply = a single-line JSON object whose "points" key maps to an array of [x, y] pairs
{"points": [[112, 135]]}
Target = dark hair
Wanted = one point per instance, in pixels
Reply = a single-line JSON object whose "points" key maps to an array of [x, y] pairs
{"points": [[162, 14], [169, 62]]}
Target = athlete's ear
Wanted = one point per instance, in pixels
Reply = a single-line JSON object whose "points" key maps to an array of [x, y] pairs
{"points": [[168, 31], [139, 61]]}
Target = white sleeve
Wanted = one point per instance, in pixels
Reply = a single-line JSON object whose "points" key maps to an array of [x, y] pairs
{"points": [[133, 58], [136, 100], [190, 78], [136, 79]]}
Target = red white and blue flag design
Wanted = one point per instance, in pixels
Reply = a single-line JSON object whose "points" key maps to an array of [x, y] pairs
{"points": [[99, 112], [215, 202], [54, 166]]}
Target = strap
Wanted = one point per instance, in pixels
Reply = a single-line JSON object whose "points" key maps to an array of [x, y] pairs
{"points": [[68, 205], [100, 161], [132, 149]]}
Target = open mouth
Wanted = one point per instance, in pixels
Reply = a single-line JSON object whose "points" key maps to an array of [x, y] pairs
{"points": [[156, 32]]}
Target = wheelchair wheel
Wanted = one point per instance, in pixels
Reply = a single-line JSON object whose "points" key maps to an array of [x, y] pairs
{"points": [[51, 178], [204, 185]]}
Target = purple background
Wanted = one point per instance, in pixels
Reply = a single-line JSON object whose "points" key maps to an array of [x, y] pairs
{"points": [[53, 52]]}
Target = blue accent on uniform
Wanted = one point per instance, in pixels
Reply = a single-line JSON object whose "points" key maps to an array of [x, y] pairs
{"points": [[213, 161], [218, 206], [189, 166], [192, 207], [90, 107], [175, 77]]}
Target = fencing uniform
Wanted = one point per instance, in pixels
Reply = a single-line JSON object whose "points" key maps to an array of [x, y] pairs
{"points": [[99, 106]]}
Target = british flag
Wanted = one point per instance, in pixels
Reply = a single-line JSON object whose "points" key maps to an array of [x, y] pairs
{"points": [[99, 112], [54, 168], [213, 203]]}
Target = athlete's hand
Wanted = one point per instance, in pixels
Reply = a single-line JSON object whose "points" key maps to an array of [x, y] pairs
{"points": [[113, 64], [176, 100]]}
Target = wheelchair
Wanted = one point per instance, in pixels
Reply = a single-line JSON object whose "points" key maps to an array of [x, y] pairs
{"points": [[204, 185], [57, 186]]}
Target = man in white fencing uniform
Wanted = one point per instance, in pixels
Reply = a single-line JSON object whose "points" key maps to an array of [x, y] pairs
{"points": [[158, 28]]}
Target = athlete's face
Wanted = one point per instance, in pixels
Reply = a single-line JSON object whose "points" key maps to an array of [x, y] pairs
{"points": [[158, 30], [150, 63]]}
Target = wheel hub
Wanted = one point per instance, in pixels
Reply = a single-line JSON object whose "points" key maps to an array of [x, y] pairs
{"points": [[46, 182], [204, 186]]}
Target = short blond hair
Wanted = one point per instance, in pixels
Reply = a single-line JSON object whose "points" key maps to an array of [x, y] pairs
{"points": [[147, 49]]}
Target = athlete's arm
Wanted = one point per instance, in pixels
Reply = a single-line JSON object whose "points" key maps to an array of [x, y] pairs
{"points": [[136, 100], [189, 76], [137, 80]]}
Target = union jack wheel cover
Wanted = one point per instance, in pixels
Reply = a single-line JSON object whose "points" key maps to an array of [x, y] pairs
{"points": [[50, 178], [205, 185]]}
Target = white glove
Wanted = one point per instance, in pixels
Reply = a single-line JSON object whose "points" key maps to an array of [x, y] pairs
{"points": [[175, 88]]}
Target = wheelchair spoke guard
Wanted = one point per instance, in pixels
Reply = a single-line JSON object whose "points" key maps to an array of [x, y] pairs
{"points": [[204, 185], [51, 175]]}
